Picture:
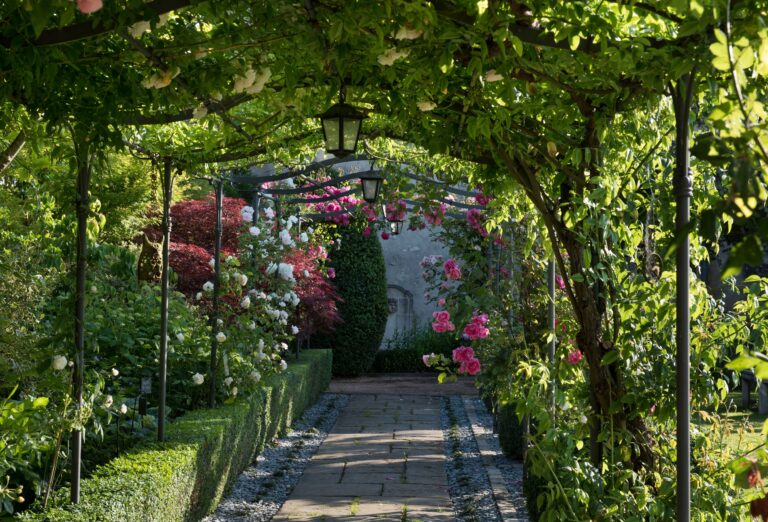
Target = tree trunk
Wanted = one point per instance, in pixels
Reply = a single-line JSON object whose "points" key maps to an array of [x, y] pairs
{"points": [[10, 153]]}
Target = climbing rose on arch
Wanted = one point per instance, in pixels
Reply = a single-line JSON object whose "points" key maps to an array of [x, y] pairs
{"points": [[574, 357], [452, 270], [463, 354], [476, 328], [471, 367], [442, 322]]}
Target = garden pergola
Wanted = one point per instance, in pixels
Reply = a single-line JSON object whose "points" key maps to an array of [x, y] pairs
{"points": [[551, 104]]}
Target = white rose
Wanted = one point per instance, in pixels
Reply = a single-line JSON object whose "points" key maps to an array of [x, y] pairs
{"points": [[583, 419], [283, 346], [492, 76], [426, 105], [255, 376], [198, 379], [252, 325], [261, 345], [220, 322], [254, 231], [243, 279], [283, 365], [220, 337], [108, 400], [233, 391], [285, 237], [294, 329], [245, 302], [269, 213], [306, 273], [93, 289], [59, 362], [123, 409], [228, 381], [212, 263], [285, 271], [208, 286], [115, 373], [304, 237], [271, 268], [180, 337], [199, 296]]}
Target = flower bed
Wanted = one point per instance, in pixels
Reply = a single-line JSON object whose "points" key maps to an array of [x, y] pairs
{"points": [[185, 477]]}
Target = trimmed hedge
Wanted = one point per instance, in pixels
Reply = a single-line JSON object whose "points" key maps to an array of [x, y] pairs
{"points": [[361, 279], [184, 478], [404, 352]]}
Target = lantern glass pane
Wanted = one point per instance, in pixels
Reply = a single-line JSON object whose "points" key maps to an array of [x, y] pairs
{"points": [[331, 131], [370, 189], [351, 130]]}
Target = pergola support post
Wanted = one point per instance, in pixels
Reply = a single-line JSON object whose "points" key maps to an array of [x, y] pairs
{"points": [[552, 324], [166, 227], [219, 196], [682, 96], [82, 153]]}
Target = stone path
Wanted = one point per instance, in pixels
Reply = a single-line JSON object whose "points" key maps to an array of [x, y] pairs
{"points": [[383, 460]]}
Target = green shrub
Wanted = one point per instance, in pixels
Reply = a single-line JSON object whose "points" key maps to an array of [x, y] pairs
{"points": [[511, 434], [403, 353], [362, 282], [185, 477]]}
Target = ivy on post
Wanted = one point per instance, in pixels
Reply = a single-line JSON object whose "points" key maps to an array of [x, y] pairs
{"points": [[82, 146]]}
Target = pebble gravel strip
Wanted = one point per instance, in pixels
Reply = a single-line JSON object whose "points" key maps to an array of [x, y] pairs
{"points": [[263, 487], [468, 483], [506, 475]]}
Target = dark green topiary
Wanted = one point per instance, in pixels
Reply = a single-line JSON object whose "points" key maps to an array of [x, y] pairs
{"points": [[362, 282]]}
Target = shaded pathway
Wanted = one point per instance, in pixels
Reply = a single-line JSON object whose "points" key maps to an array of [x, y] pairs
{"points": [[384, 459]]}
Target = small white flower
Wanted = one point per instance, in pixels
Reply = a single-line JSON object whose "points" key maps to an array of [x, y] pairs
{"points": [[583, 419], [285, 237], [408, 33], [255, 376], [243, 279], [138, 29], [180, 337], [390, 56], [71, 364], [208, 287], [283, 365], [199, 296], [283, 315], [245, 302], [108, 401], [254, 231], [59, 362], [304, 237], [220, 337], [228, 381], [294, 329], [198, 379], [212, 263], [261, 345], [219, 322], [492, 76], [269, 213], [252, 325], [123, 409], [306, 273], [93, 289], [285, 271], [233, 391], [230, 260], [115, 373], [426, 105], [201, 111], [283, 346]]}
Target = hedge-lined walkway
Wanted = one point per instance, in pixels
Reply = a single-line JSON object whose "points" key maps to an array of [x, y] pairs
{"points": [[384, 459]]}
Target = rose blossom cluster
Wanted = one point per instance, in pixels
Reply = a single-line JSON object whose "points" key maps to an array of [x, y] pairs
{"points": [[434, 215], [476, 328], [452, 270], [395, 211], [475, 220], [341, 203], [442, 322], [464, 356]]}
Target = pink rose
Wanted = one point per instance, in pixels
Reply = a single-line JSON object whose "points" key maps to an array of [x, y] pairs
{"points": [[332, 273], [560, 282], [367, 232], [441, 301], [452, 270], [446, 326], [425, 360], [89, 6], [574, 357], [385, 235], [442, 316], [462, 354], [480, 318], [472, 367], [482, 199], [475, 330]]}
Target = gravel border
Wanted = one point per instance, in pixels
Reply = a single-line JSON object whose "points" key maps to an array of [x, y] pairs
{"points": [[260, 491], [515, 504], [468, 483]]}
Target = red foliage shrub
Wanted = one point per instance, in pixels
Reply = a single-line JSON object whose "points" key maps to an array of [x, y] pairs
{"points": [[194, 222], [317, 311], [190, 263]]}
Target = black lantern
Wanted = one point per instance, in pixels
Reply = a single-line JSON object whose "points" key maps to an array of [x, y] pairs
{"points": [[396, 227], [371, 182], [341, 127]]}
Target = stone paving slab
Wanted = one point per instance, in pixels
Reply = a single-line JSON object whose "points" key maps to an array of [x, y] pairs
{"points": [[383, 458]]}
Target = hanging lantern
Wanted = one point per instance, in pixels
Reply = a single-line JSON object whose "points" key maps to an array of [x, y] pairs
{"points": [[371, 183], [341, 127], [396, 227]]}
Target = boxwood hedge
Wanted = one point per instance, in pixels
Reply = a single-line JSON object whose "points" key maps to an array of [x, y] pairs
{"points": [[185, 477]]}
